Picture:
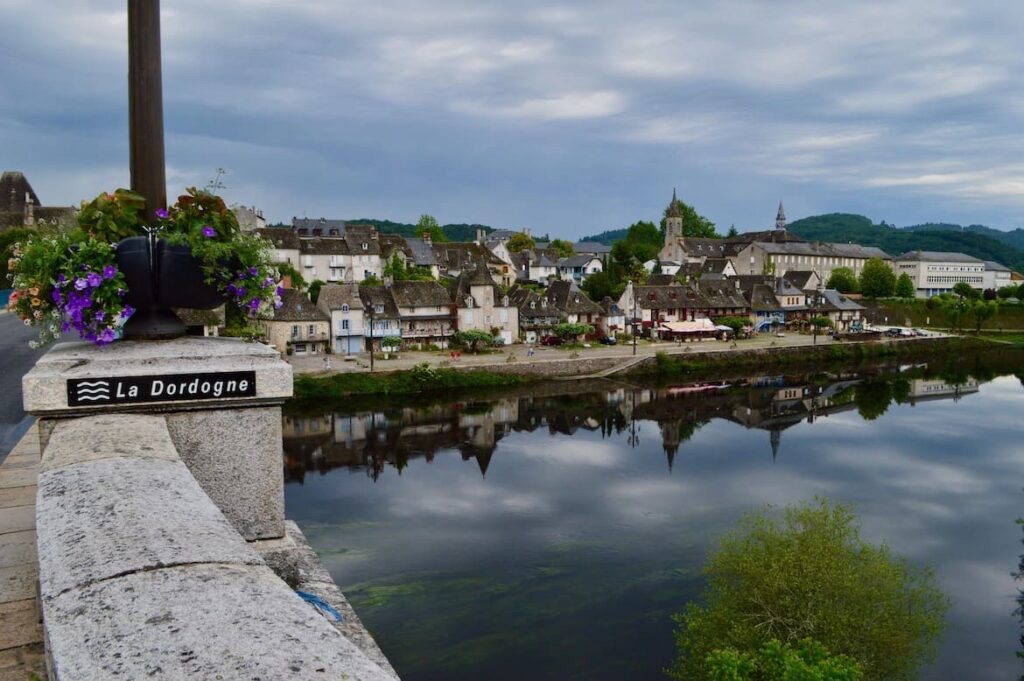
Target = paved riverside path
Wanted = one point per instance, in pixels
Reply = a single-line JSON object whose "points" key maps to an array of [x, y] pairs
{"points": [[407, 359], [16, 358], [21, 634]]}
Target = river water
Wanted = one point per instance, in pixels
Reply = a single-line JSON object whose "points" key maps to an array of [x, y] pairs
{"points": [[551, 532]]}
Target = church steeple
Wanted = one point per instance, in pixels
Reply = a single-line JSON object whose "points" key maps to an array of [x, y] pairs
{"points": [[780, 218], [673, 219]]}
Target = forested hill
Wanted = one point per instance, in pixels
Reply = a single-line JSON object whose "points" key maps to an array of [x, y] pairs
{"points": [[1014, 237], [457, 232], [848, 228], [608, 237]]}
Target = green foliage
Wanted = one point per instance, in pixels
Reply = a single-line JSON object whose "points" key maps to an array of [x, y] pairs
{"points": [[734, 323], [732, 232], [520, 241], [842, 280], [872, 398], [809, 575], [954, 307], [421, 379], [112, 217], [905, 286], [314, 289], [965, 290], [877, 280], [777, 661], [472, 339], [601, 284], [450, 232], [983, 310], [563, 247], [428, 225], [608, 237], [391, 342], [286, 269], [8, 238], [821, 322], [568, 331], [1005, 292], [694, 224], [844, 228]]}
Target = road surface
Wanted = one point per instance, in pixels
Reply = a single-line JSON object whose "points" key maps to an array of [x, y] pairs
{"points": [[16, 358]]}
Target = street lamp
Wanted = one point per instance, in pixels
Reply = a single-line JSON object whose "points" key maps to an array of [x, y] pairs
{"points": [[817, 310], [636, 303]]}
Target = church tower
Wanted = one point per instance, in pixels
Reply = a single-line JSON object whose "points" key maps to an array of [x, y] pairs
{"points": [[673, 220], [780, 218]]}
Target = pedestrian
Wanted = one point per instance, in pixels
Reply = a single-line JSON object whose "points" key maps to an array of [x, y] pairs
{"points": [[327, 362]]}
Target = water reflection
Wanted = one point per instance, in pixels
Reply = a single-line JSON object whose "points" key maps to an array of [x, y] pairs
{"points": [[551, 531], [376, 440]]}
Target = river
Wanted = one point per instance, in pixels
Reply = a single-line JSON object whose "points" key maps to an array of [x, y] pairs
{"points": [[550, 532]]}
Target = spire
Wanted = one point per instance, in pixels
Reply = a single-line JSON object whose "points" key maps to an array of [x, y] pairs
{"points": [[673, 207], [780, 218], [775, 437]]}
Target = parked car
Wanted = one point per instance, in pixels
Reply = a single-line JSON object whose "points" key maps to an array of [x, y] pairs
{"points": [[608, 340], [551, 340]]}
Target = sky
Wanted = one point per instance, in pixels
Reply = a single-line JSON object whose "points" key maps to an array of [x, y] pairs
{"points": [[566, 118]]}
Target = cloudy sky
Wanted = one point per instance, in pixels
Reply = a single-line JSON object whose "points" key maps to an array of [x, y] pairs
{"points": [[569, 118]]}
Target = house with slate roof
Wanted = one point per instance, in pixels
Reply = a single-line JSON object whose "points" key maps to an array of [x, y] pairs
{"points": [[425, 310], [483, 306], [573, 303], [579, 267], [536, 264], [536, 317], [382, 319], [298, 327], [935, 272], [20, 206], [341, 302]]}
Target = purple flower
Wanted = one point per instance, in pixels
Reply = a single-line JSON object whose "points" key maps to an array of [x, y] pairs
{"points": [[240, 292], [81, 284], [254, 304], [253, 271], [161, 213], [107, 335], [65, 327], [94, 279], [109, 272], [61, 279], [100, 315], [57, 297], [231, 289], [208, 232], [128, 312], [280, 291]]}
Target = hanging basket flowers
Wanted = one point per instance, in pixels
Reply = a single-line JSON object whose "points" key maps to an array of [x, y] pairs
{"points": [[116, 277]]}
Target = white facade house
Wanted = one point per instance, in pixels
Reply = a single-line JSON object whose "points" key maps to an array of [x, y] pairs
{"points": [[341, 302], [997, 276], [579, 267], [935, 272], [667, 266], [483, 306], [351, 258]]}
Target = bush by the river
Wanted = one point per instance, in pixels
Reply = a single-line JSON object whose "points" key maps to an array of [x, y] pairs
{"points": [[420, 379], [810, 576]]}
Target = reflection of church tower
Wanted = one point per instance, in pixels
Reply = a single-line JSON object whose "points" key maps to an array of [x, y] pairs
{"points": [[483, 459], [780, 218], [670, 439], [673, 219], [776, 439]]}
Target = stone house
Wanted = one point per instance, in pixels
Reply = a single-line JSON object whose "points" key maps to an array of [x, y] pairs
{"points": [[298, 327], [382, 317], [20, 207], [536, 317], [573, 304], [341, 302], [844, 312], [208, 323], [483, 306], [613, 318], [425, 312], [536, 264]]}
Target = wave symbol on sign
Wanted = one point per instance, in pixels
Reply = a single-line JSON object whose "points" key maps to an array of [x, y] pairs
{"points": [[92, 391]]}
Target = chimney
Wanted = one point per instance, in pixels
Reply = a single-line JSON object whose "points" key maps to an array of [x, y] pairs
{"points": [[286, 281], [373, 233], [426, 238], [480, 236], [388, 280], [30, 210]]}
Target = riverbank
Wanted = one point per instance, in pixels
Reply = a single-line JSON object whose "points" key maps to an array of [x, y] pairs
{"points": [[671, 360]]}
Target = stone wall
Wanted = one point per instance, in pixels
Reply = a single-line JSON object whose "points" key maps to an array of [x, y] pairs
{"points": [[142, 576]]}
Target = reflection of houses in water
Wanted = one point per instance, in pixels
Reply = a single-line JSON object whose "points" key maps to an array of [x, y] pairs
{"points": [[937, 389], [374, 440]]}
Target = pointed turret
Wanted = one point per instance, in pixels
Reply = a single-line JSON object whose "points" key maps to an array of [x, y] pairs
{"points": [[776, 439], [673, 219], [780, 218], [674, 210]]}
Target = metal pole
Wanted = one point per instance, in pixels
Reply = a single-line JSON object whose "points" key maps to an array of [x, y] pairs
{"points": [[146, 105], [371, 339], [634, 324]]}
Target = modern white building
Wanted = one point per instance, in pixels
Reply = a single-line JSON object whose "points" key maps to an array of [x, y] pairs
{"points": [[935, 272]]}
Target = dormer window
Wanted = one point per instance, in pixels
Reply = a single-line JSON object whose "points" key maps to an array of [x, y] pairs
{"points": [[576, 299], [469, 301], [533, 305], [543, 303], [344, 307], [379, 309], [504, 301], [366, 246]]}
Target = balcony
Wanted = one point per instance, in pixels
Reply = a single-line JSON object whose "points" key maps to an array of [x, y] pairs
{"points": [[309, 338]]}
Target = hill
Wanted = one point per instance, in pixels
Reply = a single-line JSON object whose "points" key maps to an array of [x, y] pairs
{"points": [[454, 232], [845, 227], [608, 237], [1014, 238]]}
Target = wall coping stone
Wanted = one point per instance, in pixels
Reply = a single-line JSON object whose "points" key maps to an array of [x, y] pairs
{"points": [[141, 576], [44, 388]]}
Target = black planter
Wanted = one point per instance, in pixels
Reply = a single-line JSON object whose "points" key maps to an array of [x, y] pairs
{"points": [[160, 277]]}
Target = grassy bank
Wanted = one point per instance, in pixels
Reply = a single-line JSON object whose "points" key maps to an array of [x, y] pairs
{"points": [[917, 312], [809, 358], [418, 380]]}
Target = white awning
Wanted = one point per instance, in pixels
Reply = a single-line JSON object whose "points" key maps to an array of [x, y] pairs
{"points": [[697, 326]]}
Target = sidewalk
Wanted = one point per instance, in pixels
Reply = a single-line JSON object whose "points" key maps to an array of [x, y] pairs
{"points": [[410, 358], [21, 634]]}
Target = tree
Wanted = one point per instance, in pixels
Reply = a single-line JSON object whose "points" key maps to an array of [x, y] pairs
{"points": [[601, 284], [905, 286], [286, 269], [314, 289], [568, 331], [734, 323], [732, 232], [983, 310], [872, 398], [777, 661], [428, 224], [809, 575], [395, 268], [877, 280], [1010, 291], [842, 280], [520, 241], [694, 224], [965, 290], [471, 339], [821, 322], [563, 247], [954, 307]]}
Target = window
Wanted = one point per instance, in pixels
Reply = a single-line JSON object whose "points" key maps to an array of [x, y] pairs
{"points": [[295, 331], [344, 308], [312, 329], [366, 246], [379, 309], [344, 325]]}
